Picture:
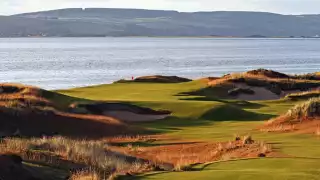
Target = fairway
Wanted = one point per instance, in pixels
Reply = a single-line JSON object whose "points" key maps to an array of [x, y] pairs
{"points": [[264, 169], [210, 119]]}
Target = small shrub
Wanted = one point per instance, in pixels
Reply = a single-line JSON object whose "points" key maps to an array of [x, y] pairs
{"points": [[247, 140], [261, 155], [237, 137], [318, 131], [180, 167], [265, 148], [220, 147], [310, 76], [226, 157]]}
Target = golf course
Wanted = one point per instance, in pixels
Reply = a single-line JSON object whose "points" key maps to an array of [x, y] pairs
{"points": [[210, 128], [210, 119]]}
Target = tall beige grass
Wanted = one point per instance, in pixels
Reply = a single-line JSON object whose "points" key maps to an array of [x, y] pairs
{"points": [[94, 154], [304, 95], [308, 109]]}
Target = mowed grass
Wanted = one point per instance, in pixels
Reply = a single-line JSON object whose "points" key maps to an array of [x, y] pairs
{"points": [[134, 91], [203, 119], [262, 169]]}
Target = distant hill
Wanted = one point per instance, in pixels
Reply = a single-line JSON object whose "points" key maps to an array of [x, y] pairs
{"points": [[138, 22]]}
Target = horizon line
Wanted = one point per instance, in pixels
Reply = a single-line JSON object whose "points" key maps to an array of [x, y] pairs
{"points": [[30, 12]]}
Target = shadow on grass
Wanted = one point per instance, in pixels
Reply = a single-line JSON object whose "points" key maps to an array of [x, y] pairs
{"points": [[220, 113], [209, 92], [238, 103], [172, 124], [53, 167], [47, 172], [69, 125], [146, 144], [233, 113], [126, 177], [218, 95]]}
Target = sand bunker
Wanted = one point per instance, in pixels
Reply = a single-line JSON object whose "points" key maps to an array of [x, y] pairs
{"points": [[123, 112], [260, 93], [261, 84]]}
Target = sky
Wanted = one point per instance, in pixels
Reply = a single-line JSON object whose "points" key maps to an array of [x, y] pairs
{"points": [[8, 7]]}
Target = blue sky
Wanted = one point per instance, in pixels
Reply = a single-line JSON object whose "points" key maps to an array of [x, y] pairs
{"points": [[278, 6]]}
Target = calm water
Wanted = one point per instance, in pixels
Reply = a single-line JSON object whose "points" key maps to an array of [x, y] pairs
{"points": [[56, 63]]}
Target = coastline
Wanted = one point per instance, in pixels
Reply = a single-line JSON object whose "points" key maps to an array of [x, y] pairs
{"points": [[165, 37], [93, 61], [164, 122]]}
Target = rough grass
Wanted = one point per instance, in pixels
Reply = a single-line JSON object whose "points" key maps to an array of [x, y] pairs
{"points": [[310, 76], [85, 175], [23, 96], [275, 85], [304, 95], [267, 73], [177, 156], [276, 82], [309, 109], [303, 117], [94, 155]]}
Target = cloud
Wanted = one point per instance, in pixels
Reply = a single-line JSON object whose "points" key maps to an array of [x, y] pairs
{"points": [[279, 6]]}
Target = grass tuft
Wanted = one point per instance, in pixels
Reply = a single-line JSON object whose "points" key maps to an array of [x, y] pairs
{"points": [[309, 109]]}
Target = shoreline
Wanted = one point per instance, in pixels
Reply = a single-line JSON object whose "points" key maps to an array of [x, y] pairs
{"points": [[164, 37], [128, 79]]}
